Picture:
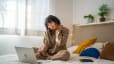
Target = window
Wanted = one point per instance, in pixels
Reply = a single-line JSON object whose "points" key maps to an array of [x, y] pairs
{"points": [[23, 17]]}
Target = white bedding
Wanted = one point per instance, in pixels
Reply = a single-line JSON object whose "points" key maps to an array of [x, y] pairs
{"points": [[13, 59]]}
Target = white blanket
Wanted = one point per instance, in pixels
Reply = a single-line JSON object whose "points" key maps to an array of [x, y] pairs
{"points": [[75, 59], [13, 59]]}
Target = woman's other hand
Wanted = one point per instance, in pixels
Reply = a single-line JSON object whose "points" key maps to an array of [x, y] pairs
{"points": [[35, 49], [37, 55]]}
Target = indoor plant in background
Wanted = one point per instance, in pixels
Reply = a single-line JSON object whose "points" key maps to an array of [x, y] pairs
{"points": [[103, 12], [89, 18]]}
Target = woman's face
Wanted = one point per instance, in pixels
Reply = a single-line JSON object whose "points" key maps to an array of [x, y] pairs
{"points": [[52, 25]]}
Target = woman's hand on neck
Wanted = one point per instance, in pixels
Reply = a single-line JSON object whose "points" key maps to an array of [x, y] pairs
{"points": [[59, 27]]}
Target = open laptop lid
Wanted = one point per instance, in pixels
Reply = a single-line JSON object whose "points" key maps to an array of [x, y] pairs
{"points": [[26, 54]]}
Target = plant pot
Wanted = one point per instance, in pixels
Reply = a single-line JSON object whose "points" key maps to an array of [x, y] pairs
{"points": [[102, 19], [88, 20]]}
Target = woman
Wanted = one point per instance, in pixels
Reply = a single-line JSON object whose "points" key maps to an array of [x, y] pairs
{"points": [[54, 41]]}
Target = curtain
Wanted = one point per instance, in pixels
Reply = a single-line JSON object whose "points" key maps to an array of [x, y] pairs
{"points": [[23, 17]]}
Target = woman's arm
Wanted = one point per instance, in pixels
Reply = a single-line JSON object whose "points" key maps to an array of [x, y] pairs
{"points": [[44, 48], [63, 40], [65, 34], [41, 53]]}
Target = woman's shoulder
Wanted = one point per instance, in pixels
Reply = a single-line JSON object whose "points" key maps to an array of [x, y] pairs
{"points": [[65, 29]]}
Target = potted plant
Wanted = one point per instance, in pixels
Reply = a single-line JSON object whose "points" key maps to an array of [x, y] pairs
{"points": [[89, 18], [103, 12]]}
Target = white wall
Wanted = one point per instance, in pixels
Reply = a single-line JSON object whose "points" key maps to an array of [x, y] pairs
{"points": [[72, 11], [64, 10], [84, 7]]}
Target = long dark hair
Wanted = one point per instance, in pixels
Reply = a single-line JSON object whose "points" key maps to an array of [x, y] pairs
{"points": [[49, 19]]}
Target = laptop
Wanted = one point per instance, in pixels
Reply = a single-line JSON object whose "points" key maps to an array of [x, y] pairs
{"points": [[27, 55]]}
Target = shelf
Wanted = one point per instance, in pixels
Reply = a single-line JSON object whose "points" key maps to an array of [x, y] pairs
{"points": [[97, 23]]}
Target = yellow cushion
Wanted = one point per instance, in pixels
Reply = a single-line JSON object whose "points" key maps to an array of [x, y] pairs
{"points": [[84, 45]]}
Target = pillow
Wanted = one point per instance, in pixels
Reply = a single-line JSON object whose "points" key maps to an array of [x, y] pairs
{"points": [[84, 45], [87, 52], [108, 52], [98, 46]]}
